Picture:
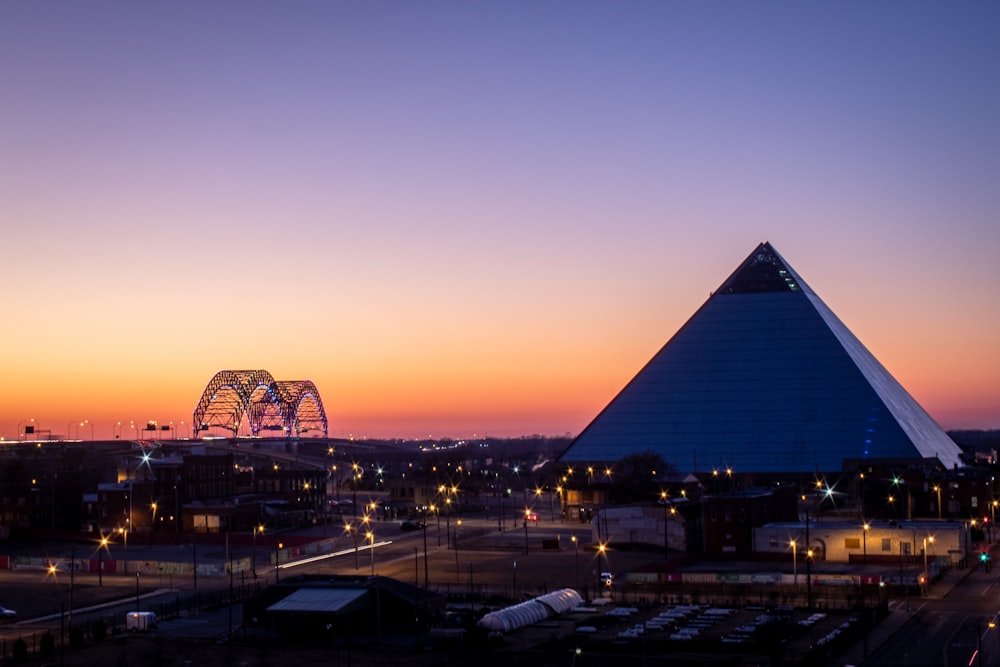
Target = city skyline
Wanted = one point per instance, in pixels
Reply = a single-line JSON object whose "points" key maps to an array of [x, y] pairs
{"points": [[461, 220]]}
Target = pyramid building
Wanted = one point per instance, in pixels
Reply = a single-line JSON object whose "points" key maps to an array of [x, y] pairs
{"points": [[763, 378]]}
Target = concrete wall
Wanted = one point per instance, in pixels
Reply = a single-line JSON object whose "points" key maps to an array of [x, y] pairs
{"points": [[638, 525]]}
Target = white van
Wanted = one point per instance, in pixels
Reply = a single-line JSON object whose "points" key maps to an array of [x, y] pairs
{"points": [[140, 621]]}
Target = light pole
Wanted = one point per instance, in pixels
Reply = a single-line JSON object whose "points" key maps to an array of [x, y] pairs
{"points": [[576, 560], [253, 549], [423, 529], [354, 490], [72, 569], [458, 527], [666, 547], [100, 560], [371, 539], [864, 538], [353, 531], [809, 558], [277, 560], [937, 490], [525, 519], [795, 566], [993, 517], [927, 574]]}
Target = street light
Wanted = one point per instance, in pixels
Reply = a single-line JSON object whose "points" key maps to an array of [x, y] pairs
{"points": [[277, 550], [864, 536], [795, 566], [809, 599], [576, 559], [458, 526], [937, 490], [253, 552], [993, 517], [525, 519], [352, 530], [666, 547], [437, 513], [927, 576], [100, 560], [371, 538]]}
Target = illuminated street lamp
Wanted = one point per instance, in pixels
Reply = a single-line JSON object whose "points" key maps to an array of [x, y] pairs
{"points": [[371, 539], [795, 565], [437, 513], [809, 557], [458, 527], [576, 559], [100, 560], [352, 530], [253, 552], [864, 536], [666, 547], [927, 574], [993, 516], [602, 554], [937, 490]]}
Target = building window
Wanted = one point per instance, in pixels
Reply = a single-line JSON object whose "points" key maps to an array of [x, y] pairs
{"points": [[887, 544]]}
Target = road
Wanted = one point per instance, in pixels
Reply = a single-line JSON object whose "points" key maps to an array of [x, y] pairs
{"points": [[953, 631]]}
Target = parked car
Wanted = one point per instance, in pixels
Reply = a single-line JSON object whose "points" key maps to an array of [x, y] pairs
{"points": [[412, 525]]}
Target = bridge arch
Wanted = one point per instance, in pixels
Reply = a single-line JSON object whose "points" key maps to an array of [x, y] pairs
{"points": [[230, 397]]}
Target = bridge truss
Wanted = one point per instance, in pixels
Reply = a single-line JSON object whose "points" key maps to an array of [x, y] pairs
{"points": [[265, 404]]}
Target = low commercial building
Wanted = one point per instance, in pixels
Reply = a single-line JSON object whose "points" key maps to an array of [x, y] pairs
{"points": [[856, 542]]}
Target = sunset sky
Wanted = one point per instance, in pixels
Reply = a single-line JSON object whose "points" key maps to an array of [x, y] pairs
{"points": [[460, 218]]}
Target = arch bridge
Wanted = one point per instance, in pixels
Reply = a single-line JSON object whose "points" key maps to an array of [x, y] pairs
{"points": [[254, 397]]}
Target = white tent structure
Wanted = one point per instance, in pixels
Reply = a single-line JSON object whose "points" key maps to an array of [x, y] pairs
{"points": [[532, 611]]}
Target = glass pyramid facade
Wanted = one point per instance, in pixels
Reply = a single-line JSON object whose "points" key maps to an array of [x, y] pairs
{"points": [[763, 378]]}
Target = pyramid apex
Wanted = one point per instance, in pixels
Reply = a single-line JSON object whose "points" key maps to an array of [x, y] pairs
{"points": [[764, 270]]}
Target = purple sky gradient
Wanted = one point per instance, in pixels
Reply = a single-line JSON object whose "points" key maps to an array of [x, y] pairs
{"points": [[481, 217]]}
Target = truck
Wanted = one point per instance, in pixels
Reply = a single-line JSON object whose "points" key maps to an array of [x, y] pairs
{"points": [[140, 621]]}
